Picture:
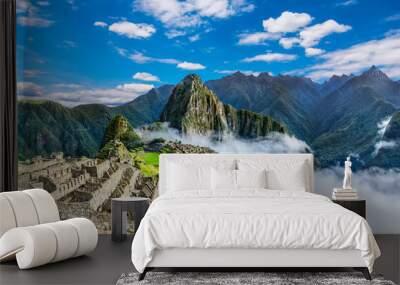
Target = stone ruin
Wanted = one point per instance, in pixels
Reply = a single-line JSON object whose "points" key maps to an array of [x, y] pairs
{"points": [[83, 186]]}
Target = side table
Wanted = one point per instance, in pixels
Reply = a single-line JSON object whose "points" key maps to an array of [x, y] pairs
{"points": [[357, 206], [119, 209]]}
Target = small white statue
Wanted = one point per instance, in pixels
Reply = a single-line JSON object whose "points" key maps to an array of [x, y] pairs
{"points": [[347, 174]]}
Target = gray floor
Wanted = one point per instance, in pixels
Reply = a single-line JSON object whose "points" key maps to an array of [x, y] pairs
{"points": [[110, 260]]}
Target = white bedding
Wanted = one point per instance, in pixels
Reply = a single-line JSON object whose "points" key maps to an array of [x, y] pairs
{"points": [[250, 218]]}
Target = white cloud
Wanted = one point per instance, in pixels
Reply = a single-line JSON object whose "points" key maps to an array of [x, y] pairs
{"points": [[71, 94], [177, 14], [347, 3], [220, 8], [135, 87], [29, 89], [194, 38], [106, 96], [271, 57], [26, 6], [174, 33], [190, 66], [74, 96], [68, 44], [311, 36], [392, 32], [384, 53], [43, 3], [287, 43], [172, 13], [383, 144], [393, 71], [232, 71], [121, 51], [132, 30], [313, 51], [382, 125], [139, 57], [380, 144], [145, 76], [67, 86], [287, 22], [29, 15], [257, 38], [290, 22], [30, 73], [34, 21], [394, 17], [100, 24]]}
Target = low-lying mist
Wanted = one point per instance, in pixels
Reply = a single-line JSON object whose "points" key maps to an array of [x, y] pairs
{"points": [[274, 143], [380, 187], [381, 143]]}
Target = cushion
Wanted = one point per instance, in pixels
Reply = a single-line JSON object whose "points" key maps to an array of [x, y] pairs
{"points": [[32, 246], [291, 179], [87, 235], [188, 177], [7, 220], [290, 175], [45, 205], [223, 179], [40, 244], [23, 208], [251, 178], [67, 240]]}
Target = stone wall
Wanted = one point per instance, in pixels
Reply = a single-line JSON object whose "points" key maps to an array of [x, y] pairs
{"points": [[98, 170], [107, 187], [72, 185], [36, 165], [130, 188]]}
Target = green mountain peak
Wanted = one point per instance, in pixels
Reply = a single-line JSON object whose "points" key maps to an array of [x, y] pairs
{"points": [[194, 109], [119, 129]]}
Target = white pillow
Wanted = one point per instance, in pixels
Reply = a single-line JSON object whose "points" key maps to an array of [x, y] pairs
{"points": [[251, 178], [288, 174], [184, 177], [293, 178], [223, 179]]}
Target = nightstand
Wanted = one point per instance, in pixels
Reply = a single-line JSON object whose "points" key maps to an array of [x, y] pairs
{"points": [[356, 206], [119, 209]]}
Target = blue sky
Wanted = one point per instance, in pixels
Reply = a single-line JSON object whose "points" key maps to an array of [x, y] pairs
{"points": [[98, 51]]}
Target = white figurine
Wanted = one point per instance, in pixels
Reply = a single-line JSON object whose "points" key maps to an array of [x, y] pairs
{"points": [[347, 174]]}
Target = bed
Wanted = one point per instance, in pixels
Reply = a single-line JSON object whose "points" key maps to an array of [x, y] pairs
{"points": [[246, 211]]}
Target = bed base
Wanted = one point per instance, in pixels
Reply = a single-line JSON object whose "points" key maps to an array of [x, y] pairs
{"points": [[363, 270], [251, 259]]}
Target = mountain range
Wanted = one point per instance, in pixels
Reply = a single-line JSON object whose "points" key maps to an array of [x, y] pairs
{"points": [[287, 99], [336, 118], [346, 120], [47, 126]]}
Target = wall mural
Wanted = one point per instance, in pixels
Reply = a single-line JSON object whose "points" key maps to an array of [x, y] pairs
{"points": [[104, 87]]}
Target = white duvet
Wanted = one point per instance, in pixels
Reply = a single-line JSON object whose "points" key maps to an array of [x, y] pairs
{"points": [[250, 219]]}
